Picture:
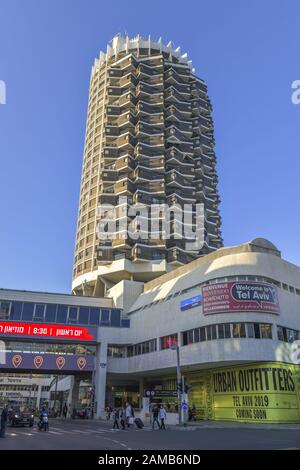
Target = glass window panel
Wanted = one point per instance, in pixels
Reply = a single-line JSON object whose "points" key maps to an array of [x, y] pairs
{"points": [[115, 317], [213, 332], [227, 330], [94, 316], [266, 331], [84, 315], [250, 330], [208, 333], [290, 334], [73, 313], [242, 330], [27, 313], [202, 334], [280, 333], [39, 312], [236, 330], [184, 338], [197, 335], [190, 337], [50, 315], [104, 317], [256, 330], [62, 311], [221, 331], [4, 310], [16, 310]]}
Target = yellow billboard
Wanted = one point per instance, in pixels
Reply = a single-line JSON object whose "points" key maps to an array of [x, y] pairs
{"points": [[264, 392]]}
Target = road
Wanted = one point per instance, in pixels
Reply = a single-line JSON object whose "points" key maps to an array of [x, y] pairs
{"points": [[92, 435]]}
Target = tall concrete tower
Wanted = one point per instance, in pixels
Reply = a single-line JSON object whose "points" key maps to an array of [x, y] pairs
{"points": [[149, 140]]}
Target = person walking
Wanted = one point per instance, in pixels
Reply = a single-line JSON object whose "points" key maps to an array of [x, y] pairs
{"points": [[123, 418], [65, 411], [116, 416], [162, 417], [155, 414], [129, 414], [4, 416]]}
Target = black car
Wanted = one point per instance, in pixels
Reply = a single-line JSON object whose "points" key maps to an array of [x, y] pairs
{"points": [[21, 418]]}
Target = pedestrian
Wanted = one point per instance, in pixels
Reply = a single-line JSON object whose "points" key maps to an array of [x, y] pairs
{"points": [[108, 412], [129, 414], [4, 416], [65, 411], [162, 417], [123, 418], [116, 416], [155, 414]]}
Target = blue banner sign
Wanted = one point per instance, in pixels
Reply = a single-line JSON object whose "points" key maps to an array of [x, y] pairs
{"points": [[191, 302]]}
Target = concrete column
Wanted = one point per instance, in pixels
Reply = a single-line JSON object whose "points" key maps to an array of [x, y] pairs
{"points": [[38, 398], [141, 392], [100, 379], [73, 397]]}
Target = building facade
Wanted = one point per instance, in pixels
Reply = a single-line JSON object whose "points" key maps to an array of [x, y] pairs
{"points": [[149, 142], [233, 314]]}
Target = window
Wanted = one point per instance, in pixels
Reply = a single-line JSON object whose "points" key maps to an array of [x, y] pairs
{"points": [[39, 312], [115, 318], [281, 333], [83, 315], [292, 335], [227, 330], [167, 341], [16, 310], [221, 333], [4, 310], [256, 330], [27, 311], [242, 330], [62, 311], [50, 315], [105, 317], [208, 333], [94, 316], [188, 337], [250, 330], [202, 334], [197, 335], [266, 331], [72, 317]]}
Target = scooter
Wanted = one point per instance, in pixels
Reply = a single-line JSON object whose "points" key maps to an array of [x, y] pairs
{"points": [[43, 424]]}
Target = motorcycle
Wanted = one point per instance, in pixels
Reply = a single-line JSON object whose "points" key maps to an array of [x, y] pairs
{"points": [[43, 424]]}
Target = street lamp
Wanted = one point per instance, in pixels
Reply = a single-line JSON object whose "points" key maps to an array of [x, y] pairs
{"points": [[179, 381]]}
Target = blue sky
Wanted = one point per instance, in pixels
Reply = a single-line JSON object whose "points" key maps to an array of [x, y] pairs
{"points": [[248, 53]]}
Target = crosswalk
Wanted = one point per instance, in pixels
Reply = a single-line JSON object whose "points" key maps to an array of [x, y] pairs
{"points": [[57, 431]]}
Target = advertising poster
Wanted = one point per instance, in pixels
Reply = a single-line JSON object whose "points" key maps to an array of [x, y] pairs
{"points": [[261, 392], [240, 296]]}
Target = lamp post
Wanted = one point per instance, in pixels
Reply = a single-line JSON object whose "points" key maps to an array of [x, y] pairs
{"points": [[179, 382]]}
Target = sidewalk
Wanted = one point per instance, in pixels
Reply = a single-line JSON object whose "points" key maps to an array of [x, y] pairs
{"points": [[192, 426]]}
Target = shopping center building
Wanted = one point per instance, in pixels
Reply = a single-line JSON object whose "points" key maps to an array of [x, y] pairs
{"points": [[234, 315]]}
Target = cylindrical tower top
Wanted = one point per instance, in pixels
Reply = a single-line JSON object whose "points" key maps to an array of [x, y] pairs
{"points": [[142, 46]]}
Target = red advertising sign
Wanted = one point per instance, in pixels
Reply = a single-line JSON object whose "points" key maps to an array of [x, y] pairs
{"points": [[42, 330], [241, 297]]}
